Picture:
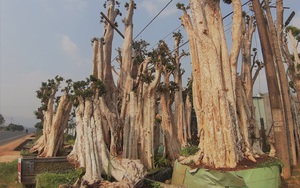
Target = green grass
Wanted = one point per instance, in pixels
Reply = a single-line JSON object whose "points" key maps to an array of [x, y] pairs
{"points": [[26, 152], [9, 174], [189, 150], [53, 180]]}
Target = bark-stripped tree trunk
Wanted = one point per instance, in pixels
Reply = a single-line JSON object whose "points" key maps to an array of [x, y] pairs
{"points": [[98, 115], [214, 81], [180, 118], [294, 65], [248, 28], [293, 71], [169, 128], [109, 109], [91, 153], [54, 120]]}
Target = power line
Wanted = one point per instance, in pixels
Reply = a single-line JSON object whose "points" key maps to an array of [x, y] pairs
{"points": [[232, 11], [222, 18], [154, 18], [167, 35]]}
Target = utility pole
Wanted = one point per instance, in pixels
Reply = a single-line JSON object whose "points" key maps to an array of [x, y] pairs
{"points": [[279, 125]]}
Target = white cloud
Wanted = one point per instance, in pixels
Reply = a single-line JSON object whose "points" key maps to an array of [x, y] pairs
{"points": [[152, 7], [72, 51], [69, 46]]}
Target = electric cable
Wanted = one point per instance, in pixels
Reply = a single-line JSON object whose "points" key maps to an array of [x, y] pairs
{"points": [[153, 19]]}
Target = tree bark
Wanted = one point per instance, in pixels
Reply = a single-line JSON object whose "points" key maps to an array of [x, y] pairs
{"points": [[214, 82], [91, 153], [248, 28]]}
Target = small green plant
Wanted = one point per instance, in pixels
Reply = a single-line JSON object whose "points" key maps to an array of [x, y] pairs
{"points": [[189, 150], [161, 161]]}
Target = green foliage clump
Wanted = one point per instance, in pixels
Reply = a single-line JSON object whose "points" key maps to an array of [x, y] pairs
{"points": [[9, 174], [189, 150], [70, 139], [152, 184], [53, 180], [270, 162], [14, 127], [161, 161]]}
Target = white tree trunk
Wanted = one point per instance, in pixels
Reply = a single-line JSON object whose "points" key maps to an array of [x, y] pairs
{"points": [[214, 82], [91, 153]]}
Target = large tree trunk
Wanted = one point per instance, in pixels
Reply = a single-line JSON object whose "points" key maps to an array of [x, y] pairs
{"points": [[55, 140], [169, 128], [180, 118], [248, 28], [214, 81], [109, 110], [91, 153], [54, 124]]}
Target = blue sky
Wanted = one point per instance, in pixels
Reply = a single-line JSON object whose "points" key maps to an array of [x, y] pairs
{"points": [[40, 39]]}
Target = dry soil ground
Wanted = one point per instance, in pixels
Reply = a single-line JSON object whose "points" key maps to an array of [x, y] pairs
{"points": [[8, 151]]}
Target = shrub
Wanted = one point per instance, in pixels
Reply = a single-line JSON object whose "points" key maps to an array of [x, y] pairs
{"points": [[160, 162]]}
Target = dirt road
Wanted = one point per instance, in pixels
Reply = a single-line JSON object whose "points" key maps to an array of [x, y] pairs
{"points": [[7, 151]]}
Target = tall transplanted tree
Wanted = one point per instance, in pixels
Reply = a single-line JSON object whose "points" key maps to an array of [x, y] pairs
{"points": [[222, 140], [54, 114], [97, 113]]}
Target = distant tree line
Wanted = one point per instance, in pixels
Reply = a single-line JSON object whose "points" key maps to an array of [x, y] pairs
{"points": [[12, 127]]}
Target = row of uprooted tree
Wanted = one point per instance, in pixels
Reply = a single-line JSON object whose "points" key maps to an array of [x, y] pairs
{"points": [[118, 124]]}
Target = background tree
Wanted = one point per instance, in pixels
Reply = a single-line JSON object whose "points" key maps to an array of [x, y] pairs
{"points": [[2, 120], [54, 114], [249, 73], [174, 119], [14, 127]]}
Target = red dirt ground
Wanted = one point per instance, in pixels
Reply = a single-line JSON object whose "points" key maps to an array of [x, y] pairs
{"points": [[8, 151]]}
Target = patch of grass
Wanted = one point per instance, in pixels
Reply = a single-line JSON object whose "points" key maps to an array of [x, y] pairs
{"points": [[9, 171], [26, 152], [53, 180], [189, 150], [9, 174]]}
